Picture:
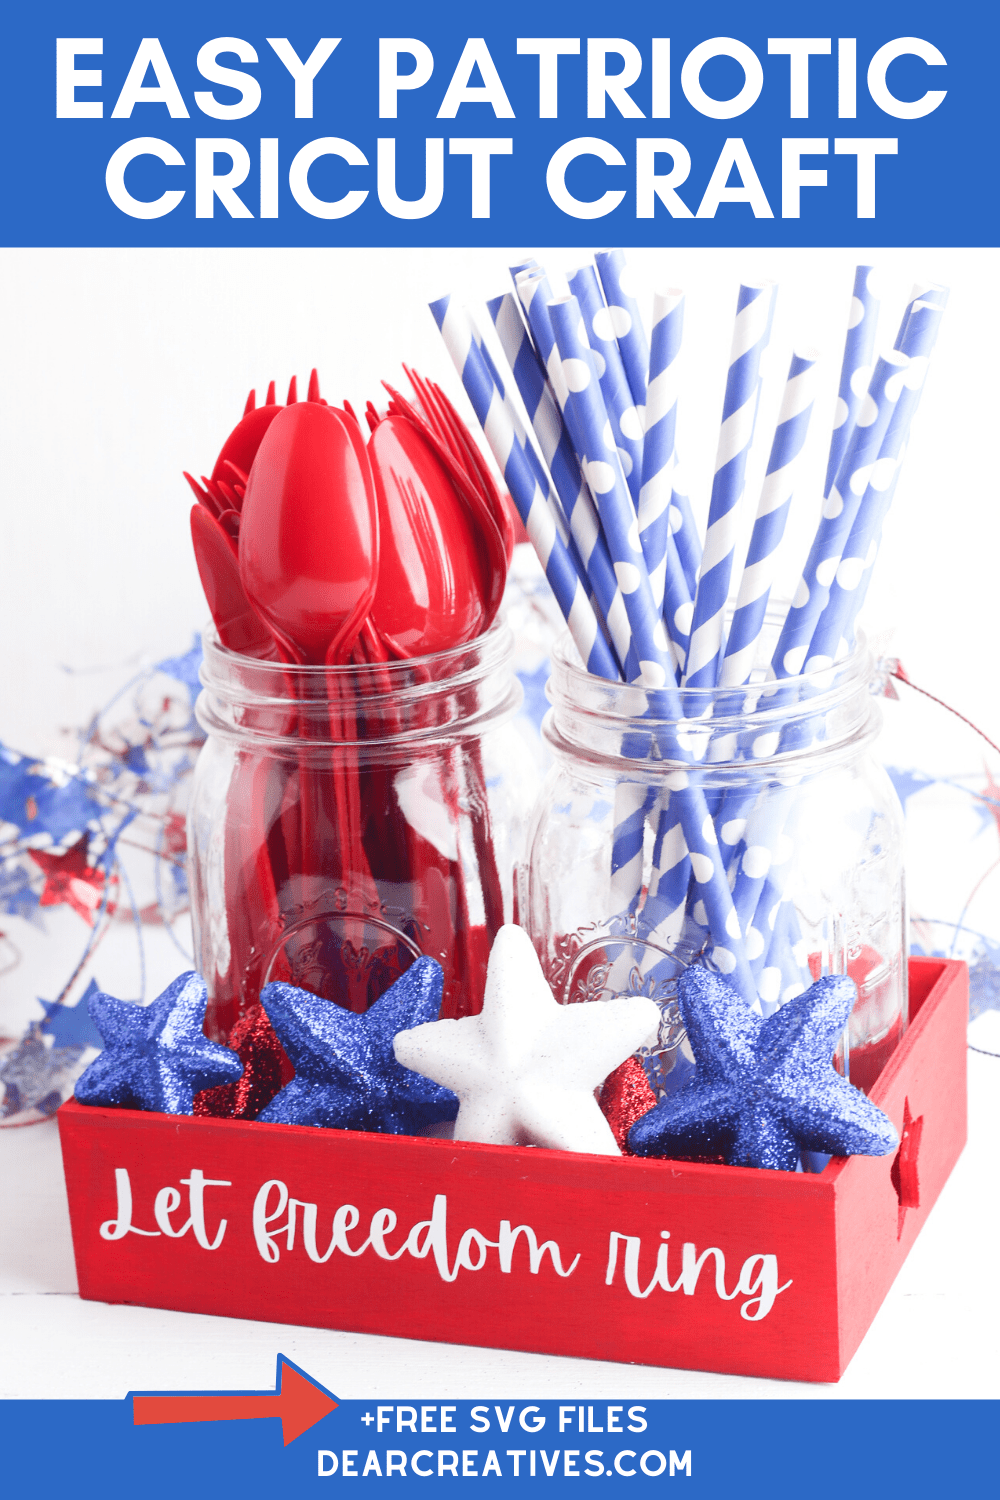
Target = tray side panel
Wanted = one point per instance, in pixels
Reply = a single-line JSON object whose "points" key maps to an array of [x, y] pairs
{"points": [[449, 1204], [882, 1203]]}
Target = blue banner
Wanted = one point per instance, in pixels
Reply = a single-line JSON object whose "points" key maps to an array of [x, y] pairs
{"points": [[147, 125], [713, 1449]]}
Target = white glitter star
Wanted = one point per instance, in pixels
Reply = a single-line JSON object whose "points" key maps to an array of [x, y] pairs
{"points": [[526, 1068]]}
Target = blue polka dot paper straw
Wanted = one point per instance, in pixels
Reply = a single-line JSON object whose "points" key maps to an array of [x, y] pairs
{"points": [[754, 310], [536, 509], [602, 470], [931, 294], [835, 627], [625, 319], [769, 525], [855, 371], [839, 510], [626, 419]]}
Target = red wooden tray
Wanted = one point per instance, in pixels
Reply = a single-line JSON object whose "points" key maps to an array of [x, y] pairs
{"points": [[433, 1239]]}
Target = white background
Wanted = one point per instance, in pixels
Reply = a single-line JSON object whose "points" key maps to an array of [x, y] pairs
{"points": [[122, 368]]}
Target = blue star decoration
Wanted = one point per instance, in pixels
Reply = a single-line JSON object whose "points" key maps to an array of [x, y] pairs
{"points": [[156, 1056], [763, 1090], [346, 1074], [72, 1025]]}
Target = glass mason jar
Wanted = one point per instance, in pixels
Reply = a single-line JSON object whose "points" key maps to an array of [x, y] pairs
{"points": [[345, 820], [807, 824]]}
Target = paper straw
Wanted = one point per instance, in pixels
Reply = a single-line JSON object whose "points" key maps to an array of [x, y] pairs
{"points": [[633, 800], [534, 506], [660, 468], [546, 421], [855, 371], [664, 911], [578, 390], [581, 511], [839, 511], [587, 414], [754, 310], [772, 515], [835, 626], [932, 293], [626, 421], [659, 546], [626, 320]]}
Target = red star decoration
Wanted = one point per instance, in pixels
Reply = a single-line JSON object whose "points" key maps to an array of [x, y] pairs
{"points": [[175, 834], [904, 1167], [625, 1097], [266, 1069], [69, 880]]}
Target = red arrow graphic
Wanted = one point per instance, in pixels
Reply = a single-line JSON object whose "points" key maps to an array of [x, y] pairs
{"points": [[299, 1401]]}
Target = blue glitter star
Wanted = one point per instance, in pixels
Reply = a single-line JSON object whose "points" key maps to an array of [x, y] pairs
{"points": [[156, 1056], [346, 1075], [763, 1090]]}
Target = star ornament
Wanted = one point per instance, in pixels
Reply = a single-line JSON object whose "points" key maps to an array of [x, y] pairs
{"points": [[70, 880], [763, 1090], [346, 1073], [526, 1068], [156, 1056]]}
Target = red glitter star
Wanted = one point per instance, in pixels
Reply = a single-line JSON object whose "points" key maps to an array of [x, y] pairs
{"points": [[625, 1097], [70, 880], [266, 1069]]}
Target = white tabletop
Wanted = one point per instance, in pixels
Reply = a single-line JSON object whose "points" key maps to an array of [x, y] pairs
{"points": [[936, 1335]]}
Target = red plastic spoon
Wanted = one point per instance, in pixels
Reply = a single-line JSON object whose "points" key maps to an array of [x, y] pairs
{"points": [[439, 582], [309, 532], [309, 550]]}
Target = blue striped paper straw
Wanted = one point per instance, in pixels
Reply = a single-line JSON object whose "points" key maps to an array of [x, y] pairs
{"points": [[661, 494], [658, 454], [684, 530], [835, 626], [633, 801], [839, 511], [626, 420], [598, 453], [855, 370], [581, 512], [754, 310], [536, 509], [626, 320], [665, 908], [559, 461], [546, 421], [769, 525]]}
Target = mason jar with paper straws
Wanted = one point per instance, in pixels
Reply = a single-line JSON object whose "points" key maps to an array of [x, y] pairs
{"points": [[822, 844]]}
